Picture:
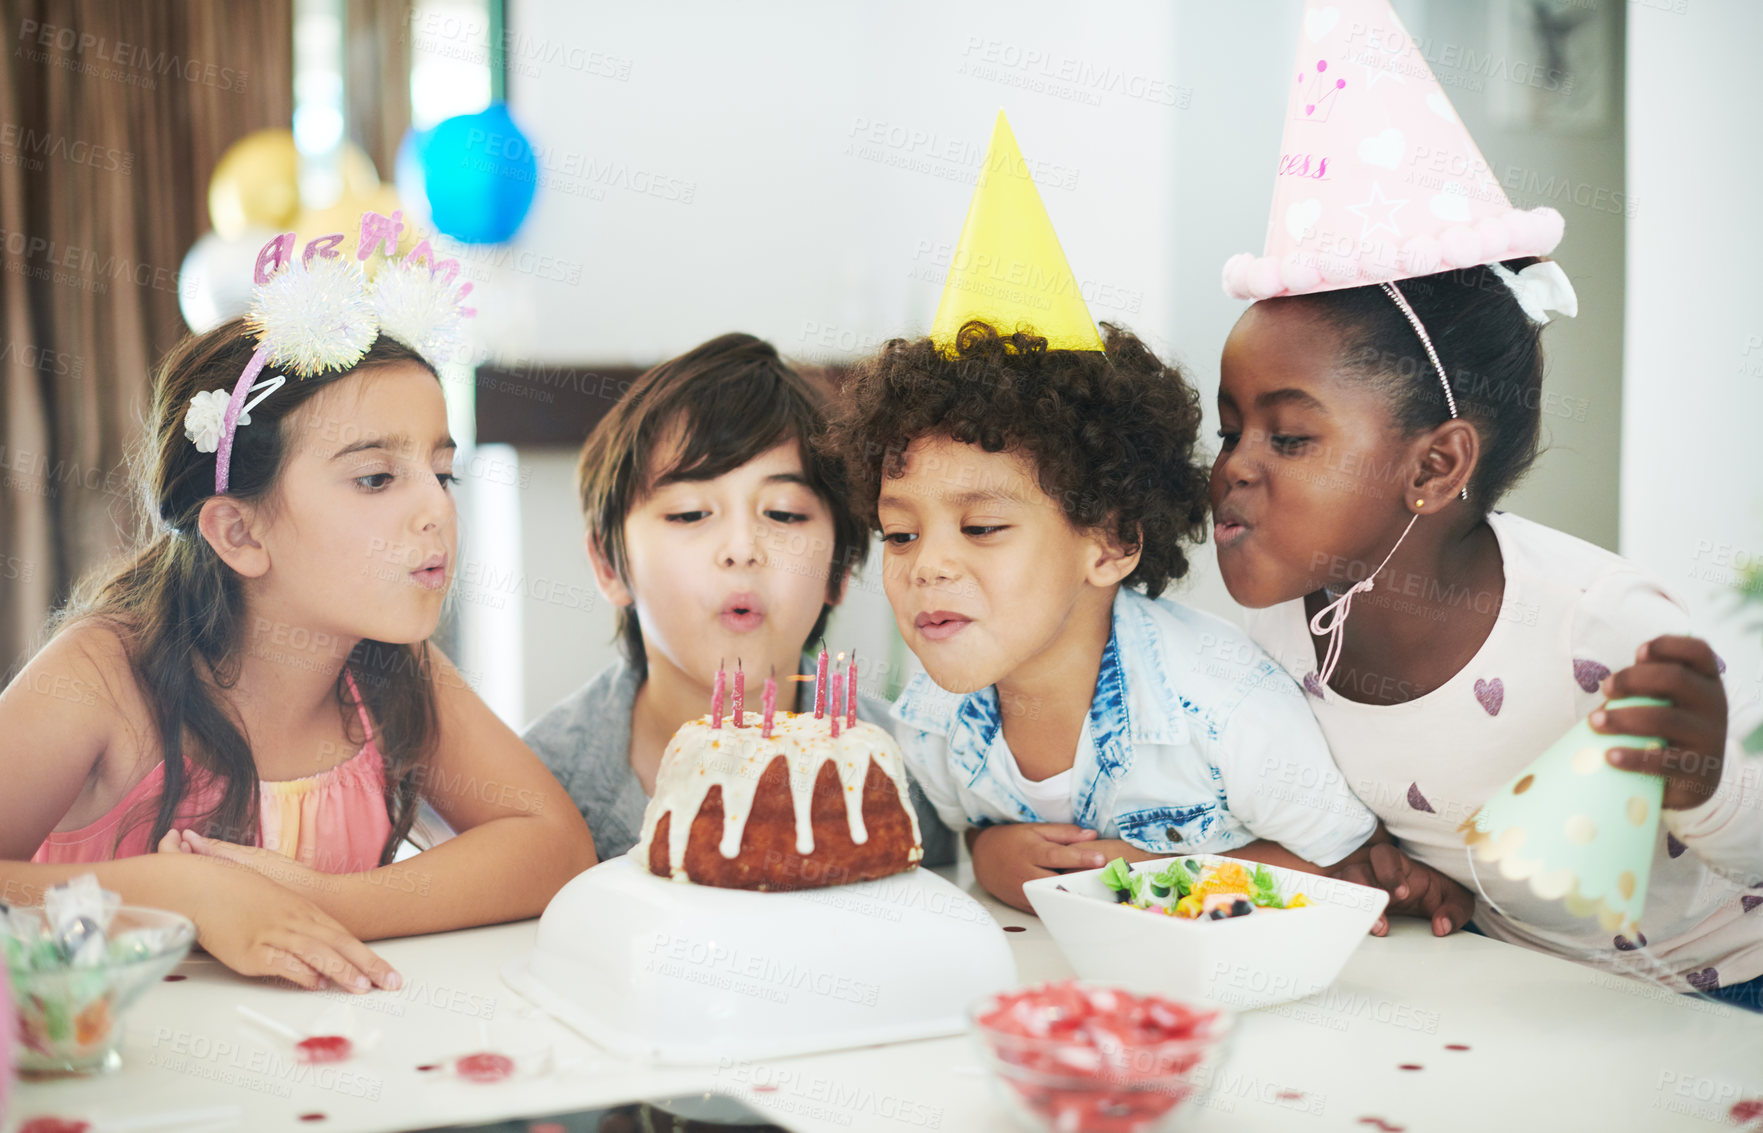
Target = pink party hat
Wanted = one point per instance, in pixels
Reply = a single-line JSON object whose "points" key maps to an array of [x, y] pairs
{"points": [[1377, 180]]}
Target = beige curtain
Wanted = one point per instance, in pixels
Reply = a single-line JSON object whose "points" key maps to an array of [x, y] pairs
{"points": [[377, 84], [112, 116]]}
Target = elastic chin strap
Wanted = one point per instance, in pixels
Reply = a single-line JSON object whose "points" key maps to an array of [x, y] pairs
{"points": [[1331, 620], [1401, 301]]}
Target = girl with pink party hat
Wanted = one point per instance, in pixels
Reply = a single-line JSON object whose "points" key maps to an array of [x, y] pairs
{"points": [[1376, 402]]}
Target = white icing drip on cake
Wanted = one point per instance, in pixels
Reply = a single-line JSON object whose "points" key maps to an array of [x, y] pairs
{"points": [[700, 757]]}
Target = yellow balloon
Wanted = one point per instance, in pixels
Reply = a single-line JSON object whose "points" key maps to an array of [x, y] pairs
{"points": [[256, 184], [360, 178], [345, 217]]}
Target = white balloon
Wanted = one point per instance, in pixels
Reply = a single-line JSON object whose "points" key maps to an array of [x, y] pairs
{"points": [[215, 281]]}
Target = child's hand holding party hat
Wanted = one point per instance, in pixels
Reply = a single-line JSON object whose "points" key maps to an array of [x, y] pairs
{"points": [[1685, 672]]}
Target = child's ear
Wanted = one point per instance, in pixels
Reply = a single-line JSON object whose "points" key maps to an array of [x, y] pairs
{"points": [[230, 527], [1109, 562], [1446, 464], [612, 587]]}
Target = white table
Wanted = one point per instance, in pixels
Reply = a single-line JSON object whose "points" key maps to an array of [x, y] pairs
{"points": [[1551, 1046]]}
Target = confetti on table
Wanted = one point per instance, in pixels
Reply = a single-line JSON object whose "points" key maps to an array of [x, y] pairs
{"points": [[485, 1066], [324, 1048]]}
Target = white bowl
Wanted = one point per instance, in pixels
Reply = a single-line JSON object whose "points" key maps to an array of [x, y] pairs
{"points": [[1269, 956], [687, 974]]}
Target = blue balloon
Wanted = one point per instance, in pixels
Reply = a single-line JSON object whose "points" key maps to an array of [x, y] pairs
{"points": [[479, 173]]}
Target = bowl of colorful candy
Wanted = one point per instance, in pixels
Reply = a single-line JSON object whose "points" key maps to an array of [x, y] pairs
{"points": [[1073, 1057], [1223, 932], [74, 973]]}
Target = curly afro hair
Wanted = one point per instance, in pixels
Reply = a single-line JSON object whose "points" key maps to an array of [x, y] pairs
{"points": [[1112, 435]]}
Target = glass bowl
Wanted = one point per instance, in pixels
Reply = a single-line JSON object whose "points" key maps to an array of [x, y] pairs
{"points": [[1098, 1078], [70, 1017]]}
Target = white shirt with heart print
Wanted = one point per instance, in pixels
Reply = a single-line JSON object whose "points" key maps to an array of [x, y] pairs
{"points": [[1571, 613]]}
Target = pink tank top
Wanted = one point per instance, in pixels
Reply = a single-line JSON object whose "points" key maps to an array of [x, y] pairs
{"points": [[333, 822]]}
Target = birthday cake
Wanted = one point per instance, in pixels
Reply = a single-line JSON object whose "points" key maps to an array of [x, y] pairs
{"points": [[797, 805]]}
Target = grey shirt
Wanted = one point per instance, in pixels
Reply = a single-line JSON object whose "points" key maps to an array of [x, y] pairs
{"points": [[585, 739]]}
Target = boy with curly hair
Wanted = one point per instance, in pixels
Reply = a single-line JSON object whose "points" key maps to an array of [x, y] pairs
{"points": [[1033, 503]]}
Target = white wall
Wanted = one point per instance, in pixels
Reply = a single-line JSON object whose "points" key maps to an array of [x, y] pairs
{"points": [[803, 161], [825, 149], [1692, 495]]}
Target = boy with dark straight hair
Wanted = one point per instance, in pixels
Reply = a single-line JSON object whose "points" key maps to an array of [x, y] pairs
{"points": [[724, 539]]}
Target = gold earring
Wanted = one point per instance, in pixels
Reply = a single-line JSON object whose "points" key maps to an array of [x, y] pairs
{"points": [[1419, 503]]}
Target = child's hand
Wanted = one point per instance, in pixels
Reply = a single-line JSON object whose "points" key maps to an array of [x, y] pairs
{"points": [[1111, 848], [1415, 890], [259, 928], [1682, 670], [1004, 857], [282, 870]]}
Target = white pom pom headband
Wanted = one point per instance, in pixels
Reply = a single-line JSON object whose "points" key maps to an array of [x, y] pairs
{"points": [[320, 313]]}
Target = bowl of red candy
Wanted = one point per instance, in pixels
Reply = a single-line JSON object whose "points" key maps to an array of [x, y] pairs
{"points": [[1073, 1057]]}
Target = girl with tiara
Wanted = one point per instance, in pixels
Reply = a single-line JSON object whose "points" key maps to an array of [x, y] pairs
{"points": [[1376, 402], [252, 692]]}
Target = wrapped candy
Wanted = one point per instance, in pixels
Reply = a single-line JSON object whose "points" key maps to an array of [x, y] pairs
{"points": [[78, 910], [74, 964]]}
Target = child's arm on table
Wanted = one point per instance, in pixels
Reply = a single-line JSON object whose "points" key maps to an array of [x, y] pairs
{"points": [[520, 836], [1415, 890], [58, 718], [1007, 855], [246, 921]]}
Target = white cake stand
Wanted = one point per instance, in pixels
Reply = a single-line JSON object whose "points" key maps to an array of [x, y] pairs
{"points": [[690, 974]]}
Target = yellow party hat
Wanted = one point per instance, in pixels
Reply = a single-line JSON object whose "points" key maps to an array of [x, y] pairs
{"points": [[1008, 269]]}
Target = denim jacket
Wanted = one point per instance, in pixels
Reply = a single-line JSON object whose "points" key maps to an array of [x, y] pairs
{"points": [[1195, 742]]}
